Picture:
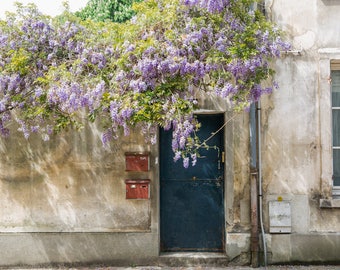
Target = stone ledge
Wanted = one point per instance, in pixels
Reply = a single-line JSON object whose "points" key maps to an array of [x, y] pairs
{"points": [[329, 51], [329, 203], [193, 259], [307, 248]]}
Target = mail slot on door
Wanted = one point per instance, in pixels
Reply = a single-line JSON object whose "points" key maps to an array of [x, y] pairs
{"points": [[137, 162], [137, 188]]}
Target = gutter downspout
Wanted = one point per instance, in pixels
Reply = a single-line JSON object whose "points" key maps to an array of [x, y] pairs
{"points": [[256, 176], [254, 220], [260, 181], [254, 233], [254, 236]]}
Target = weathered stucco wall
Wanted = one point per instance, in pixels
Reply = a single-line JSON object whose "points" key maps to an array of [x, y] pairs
{"points": [[297, 131], [63, 201], [237, 189], [70, 183]]}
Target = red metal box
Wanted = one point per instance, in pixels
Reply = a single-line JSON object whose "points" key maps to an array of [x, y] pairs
{"points": [[137, 162], [137, 188]]}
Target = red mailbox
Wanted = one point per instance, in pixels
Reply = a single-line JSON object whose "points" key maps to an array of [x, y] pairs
{"points": [[137, 162], [137, 188]]}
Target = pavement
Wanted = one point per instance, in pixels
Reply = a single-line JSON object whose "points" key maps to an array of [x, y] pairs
{"points": [[269, 267]]}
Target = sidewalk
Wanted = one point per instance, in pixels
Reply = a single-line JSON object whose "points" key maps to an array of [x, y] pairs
{"points": [[270, 267]]}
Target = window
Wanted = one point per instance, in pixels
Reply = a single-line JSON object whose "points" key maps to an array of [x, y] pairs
{"points": [[335, 101], [335, 86], [329, 121]]}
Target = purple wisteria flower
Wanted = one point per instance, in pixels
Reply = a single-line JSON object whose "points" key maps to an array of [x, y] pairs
{"points": [[212, 6], [186, 162], [147, 78]]}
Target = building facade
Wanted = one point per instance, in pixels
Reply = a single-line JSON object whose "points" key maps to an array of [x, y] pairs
{"points": [[72, 201], [300, 129]]}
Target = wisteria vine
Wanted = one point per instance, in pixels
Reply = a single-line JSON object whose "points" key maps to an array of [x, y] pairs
{"points": [[142, 73]]}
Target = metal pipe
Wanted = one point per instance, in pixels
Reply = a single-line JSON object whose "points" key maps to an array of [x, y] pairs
{"points": [[254, 248], [260, 181], [254, 221]]}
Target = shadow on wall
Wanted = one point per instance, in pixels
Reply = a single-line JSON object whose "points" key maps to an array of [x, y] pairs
{"points": [[69, 184], [330, 3]]}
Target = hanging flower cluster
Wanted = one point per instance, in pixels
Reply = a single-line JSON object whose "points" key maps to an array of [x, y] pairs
{"points": [[144, 72], [43, 64]]}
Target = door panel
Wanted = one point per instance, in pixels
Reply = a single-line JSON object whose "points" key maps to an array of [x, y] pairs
{"points": [[192, 202]]}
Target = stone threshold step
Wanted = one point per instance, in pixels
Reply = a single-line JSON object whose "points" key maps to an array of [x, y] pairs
{"points": [[175, 259], [193, 255]]}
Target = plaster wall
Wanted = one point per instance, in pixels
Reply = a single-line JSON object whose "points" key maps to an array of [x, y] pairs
{"points": [[238, 190], [296, 130], [63, 201], [70, 183]]}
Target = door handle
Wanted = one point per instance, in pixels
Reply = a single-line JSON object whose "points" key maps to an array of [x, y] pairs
{"points": [[220, 160]]}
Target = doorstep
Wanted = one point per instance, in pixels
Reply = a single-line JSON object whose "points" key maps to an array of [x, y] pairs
{"points": [[187, 259]]}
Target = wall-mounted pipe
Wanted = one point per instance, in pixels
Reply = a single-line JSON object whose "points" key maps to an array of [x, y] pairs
{"points": [[256, 166], [254, 220], [254, 236], [256, 182], [259, 143]]}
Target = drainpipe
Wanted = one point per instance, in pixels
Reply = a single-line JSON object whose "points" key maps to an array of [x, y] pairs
{"points": [[256, 174], [260, 181], [254, 237], [254, 220], [256, 199]]}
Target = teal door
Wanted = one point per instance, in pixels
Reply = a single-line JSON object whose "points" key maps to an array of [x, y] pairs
{"points": [[192, 200]]}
